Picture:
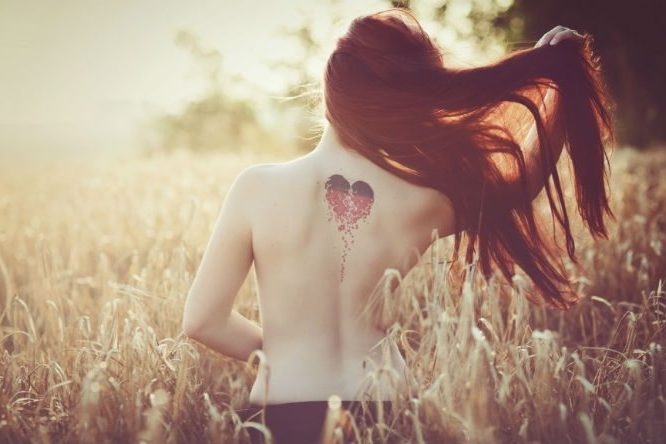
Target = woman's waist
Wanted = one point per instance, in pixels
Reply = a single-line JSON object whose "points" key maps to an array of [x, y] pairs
{"points": [[313, 361], [351, 376], [278, 390], [335, 351]]}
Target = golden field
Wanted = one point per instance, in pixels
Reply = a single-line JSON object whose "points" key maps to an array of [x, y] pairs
{"points": [[96, 261]]}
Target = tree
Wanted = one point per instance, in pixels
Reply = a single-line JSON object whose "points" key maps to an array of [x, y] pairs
{"points": [[213, 120]]}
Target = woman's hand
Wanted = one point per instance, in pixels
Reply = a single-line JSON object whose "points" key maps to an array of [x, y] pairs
{"points": [[557, 34]]}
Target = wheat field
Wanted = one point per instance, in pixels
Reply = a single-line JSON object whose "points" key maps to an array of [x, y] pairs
{"points": [[96, 260]]}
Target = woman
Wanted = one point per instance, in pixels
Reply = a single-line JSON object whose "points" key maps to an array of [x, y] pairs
{"points": [[412, 146]]}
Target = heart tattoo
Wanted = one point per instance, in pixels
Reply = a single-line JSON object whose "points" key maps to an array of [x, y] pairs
{"points": [[348, 205]]}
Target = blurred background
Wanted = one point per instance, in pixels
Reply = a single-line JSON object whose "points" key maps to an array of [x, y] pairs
{"points": [[84, 79]]}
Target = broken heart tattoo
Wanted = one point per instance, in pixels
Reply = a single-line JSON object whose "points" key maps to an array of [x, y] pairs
{"points": [[348, 205]]}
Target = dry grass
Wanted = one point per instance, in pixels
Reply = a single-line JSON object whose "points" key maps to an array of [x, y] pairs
{"points": [[95, 263]]}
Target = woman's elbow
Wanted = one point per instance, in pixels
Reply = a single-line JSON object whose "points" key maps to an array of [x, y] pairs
{"points": [[517, 194], [192, 326]]}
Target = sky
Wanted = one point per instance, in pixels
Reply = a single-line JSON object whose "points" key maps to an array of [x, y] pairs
{"points": [[79, 77]]}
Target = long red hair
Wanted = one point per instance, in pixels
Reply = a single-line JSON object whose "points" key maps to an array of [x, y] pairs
{"points": [[390, 97]]}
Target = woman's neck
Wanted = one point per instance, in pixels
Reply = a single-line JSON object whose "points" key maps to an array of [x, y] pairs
{"points": [[330, 144]]}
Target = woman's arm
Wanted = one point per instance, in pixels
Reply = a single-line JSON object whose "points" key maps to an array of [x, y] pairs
{"points": [[238, 337], [208, 316], [534, 163], [554, 127]]}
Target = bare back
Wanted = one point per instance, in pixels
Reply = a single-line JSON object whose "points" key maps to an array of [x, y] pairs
{"points": [[329, 225]]}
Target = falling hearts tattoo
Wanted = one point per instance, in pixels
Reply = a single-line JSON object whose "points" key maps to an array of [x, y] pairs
{"points": [[348, 205]]}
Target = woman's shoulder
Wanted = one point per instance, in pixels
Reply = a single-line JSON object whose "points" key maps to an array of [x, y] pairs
{"points": [[271, 177]]}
